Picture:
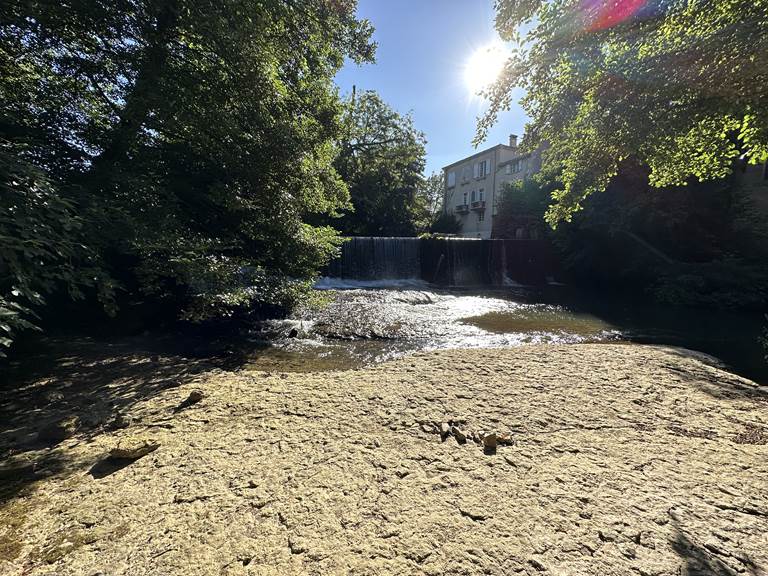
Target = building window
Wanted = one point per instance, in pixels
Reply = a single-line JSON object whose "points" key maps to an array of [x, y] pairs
{"points": [[451, 179], [481, 216], [482, 168], [473, 195], [480, 196], [508, 169], [465, 198]]}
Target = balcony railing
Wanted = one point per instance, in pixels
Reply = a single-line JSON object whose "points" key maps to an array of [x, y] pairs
{"points": [[462, 209], [479, 205]]}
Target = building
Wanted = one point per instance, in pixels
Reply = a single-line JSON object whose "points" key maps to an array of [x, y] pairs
{"points": [[473, 186]]}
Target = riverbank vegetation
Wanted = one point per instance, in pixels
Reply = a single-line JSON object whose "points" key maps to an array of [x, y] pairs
{"points": [[653, 118], [160, 152], [703, 245]]}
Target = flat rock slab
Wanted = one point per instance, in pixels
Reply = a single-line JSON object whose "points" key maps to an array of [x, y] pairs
{"points": [[625, 460]]}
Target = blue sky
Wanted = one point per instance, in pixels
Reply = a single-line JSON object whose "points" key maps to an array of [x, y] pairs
{"points": [[423, 48]]}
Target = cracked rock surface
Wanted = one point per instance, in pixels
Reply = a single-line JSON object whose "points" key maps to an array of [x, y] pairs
{"points": [[625, 460]]}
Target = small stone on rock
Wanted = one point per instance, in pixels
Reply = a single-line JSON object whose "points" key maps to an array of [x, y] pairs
{"points": [[461, 438], [445, 430], [504, 439], [122, 421], [133, 449], [490, 441]]}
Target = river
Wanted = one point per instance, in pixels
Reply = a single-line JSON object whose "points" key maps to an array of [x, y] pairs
{"points": [[371, 321]]}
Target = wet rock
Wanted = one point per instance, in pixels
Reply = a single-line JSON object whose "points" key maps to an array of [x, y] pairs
{"points": [[133, 448], [53, 397], [59, 430]]}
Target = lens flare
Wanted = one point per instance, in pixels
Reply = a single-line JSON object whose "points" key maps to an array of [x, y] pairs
{"points": [[604, 14]]}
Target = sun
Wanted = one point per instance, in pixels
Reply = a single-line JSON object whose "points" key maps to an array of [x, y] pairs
{"points": [[483, 66]]}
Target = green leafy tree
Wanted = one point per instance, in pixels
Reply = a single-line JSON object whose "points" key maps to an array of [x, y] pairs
{"points": [[381, 158], [41, 249], [522, 205], [431, 194], [188, 142], [680, 85]]}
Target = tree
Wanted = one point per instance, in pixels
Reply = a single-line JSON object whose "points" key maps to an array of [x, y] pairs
{"points": [[381, 158], [679, 85], [189, 142], [431, 193], [522, 205]]}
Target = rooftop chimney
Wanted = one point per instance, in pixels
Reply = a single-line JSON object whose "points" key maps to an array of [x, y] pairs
{"points": [[513, 140]]}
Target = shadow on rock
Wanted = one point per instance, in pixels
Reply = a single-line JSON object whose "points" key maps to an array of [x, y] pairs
{"points": [[704, 560], [107, 466]]}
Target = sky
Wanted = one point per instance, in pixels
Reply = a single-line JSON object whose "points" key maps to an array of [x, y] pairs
{"points": [[423, 50]]}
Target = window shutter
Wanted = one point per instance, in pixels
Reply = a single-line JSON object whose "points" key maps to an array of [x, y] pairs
{"points": [[475, 168]]}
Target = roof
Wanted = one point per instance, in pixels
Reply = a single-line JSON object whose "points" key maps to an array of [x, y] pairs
{"points": [[476, 154]]}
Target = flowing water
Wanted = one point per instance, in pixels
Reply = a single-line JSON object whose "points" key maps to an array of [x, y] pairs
{"points": [[369, 321], [391, 296]]}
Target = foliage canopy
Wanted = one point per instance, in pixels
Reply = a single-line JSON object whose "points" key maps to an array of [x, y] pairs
{"points": [[680, 85], [381, 158], [175, 148]]}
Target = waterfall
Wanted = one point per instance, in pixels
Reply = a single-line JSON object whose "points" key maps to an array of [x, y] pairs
{"points": [[443, 261], [377, 258]]}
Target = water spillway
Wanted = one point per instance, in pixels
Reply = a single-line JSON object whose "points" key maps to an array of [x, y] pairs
{"points": [[443, 261]]}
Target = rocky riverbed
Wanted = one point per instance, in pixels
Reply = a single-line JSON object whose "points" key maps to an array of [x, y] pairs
{"points": [[612, 459]]}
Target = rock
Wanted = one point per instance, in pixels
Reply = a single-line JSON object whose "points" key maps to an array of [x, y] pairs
{"points": [[504, 439], [445, 430], [133, 448], [54, 396], [428, 428], [59, 430], [460, 436], [490, 442], [122, 421], [12, 470], [194, 397]]}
